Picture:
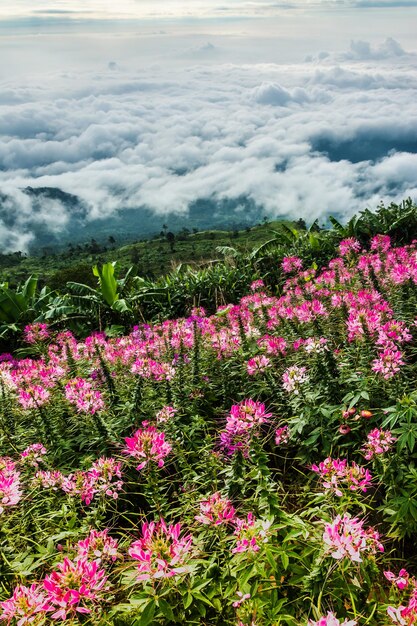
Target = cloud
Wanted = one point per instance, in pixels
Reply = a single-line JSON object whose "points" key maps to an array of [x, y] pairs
{"points": [[276, 95], [297, 140], [363, 51]]}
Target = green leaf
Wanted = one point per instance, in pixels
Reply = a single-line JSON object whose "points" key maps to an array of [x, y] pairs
{"points": [[166, 609], [147, 614], [285, 560]]}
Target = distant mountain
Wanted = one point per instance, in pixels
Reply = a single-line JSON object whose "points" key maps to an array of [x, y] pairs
{"points": [[57, 218]]}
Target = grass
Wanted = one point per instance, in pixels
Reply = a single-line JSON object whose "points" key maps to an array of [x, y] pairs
{"points": [[153, 257]]}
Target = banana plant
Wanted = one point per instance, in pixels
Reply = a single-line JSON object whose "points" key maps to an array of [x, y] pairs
{"points": [[22, 305]]}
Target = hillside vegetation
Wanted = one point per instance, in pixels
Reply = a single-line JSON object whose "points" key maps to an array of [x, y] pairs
{"points": [[231, 446]]}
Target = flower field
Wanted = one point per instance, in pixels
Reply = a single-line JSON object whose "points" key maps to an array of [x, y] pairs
{"points": [[254, 467]]}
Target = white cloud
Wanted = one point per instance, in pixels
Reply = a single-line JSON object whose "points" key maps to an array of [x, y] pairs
{"points": [[303, 139]]}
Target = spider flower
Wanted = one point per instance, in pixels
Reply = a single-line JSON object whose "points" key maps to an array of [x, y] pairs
{"points": [[161, 552], [147, 445]]}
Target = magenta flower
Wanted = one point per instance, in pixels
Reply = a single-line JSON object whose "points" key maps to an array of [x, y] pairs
{"points": [[36, 333], [161, 552], [86, 399], [335, 474], [381, 243], [250, 533], [401, 581], [148, 445], [33, 454], [291, 264], [282, 435], [331, 620], [243, 422], [34, 397], [25, 605], [257, 365], [73, 585], [216, 510], [98, 546], [349, 245], [379, 442], [257, 284], [346, 537]]}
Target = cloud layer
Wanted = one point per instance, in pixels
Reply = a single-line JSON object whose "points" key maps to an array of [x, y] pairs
{"points": [[329, 136]]}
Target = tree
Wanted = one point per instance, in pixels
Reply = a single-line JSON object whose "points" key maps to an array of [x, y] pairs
{"points": [[171, 240]]}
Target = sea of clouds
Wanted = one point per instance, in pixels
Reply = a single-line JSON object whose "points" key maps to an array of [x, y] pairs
{"points": [[329, 135]]}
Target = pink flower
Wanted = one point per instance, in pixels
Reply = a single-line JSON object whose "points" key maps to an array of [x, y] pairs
{"points": [[379, 442], [165, 414], [242, 598], [34, 397], [388, 363], [86, 399], [73, 585], [161, 552], [250, 533], [401, 581], [148, 445], [10, 491], [346, 537], [331, 620], [24, 605], [335, 474], [349, 245], [216, 510], [293, 378], [49, 480], [291, 264], [98, 545], [282, 435], [257, 365], [33, 454], [257, 284], [242, 424], [381, 243], [36, 333]]}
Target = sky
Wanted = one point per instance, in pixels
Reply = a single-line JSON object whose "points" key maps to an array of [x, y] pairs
{"points": [[305, 107]]}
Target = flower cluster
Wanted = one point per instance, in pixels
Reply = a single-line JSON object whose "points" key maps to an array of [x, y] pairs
{"points": [[10, 488], [293, 378], [257, 365], [331, 620], [282, 435], [291, 264], [148, 368], [250, 533], [165, 414], [161, 552], [378, 442], [216, 510], [102, 478], [33, 454], [36, 333], [147, 445], [83, 396], [242, 423], [73, 586], [346, 537], [336, 473], [98, 545]]}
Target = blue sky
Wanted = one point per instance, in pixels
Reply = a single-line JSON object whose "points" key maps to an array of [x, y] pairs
{"points": [[307, 108]]}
